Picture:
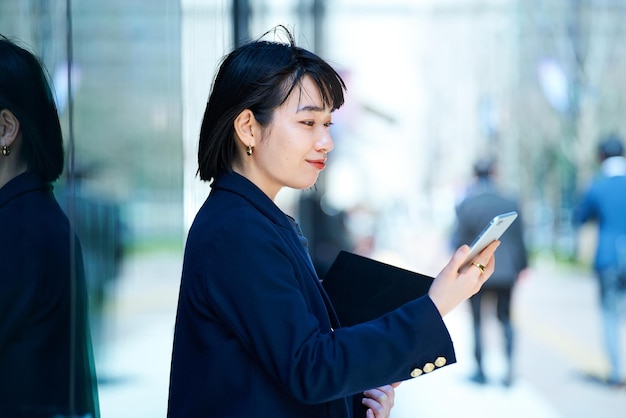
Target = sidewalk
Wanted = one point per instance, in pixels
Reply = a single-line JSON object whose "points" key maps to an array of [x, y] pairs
{"points": [[558, 342], [561, 343], [133, 368]]}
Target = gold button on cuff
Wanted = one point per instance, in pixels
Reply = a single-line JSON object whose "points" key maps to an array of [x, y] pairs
{"points": [[416, 372], [429, 367], [440, 362]]}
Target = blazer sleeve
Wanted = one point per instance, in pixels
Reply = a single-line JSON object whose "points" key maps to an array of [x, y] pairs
{"points": [[259, 290]]}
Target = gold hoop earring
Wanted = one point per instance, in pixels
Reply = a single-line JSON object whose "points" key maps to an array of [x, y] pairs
{"points": [[249, 150], [6, 150]]}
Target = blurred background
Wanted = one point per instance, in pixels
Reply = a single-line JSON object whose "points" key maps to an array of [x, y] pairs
{"points": [[432, 86]]}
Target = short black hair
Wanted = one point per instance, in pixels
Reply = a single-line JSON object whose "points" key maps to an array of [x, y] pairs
{"points": [[484, 167], [258, 76], [25, 91], [610, 146]]}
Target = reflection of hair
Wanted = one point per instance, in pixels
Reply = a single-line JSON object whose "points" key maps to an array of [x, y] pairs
{"points": [[258, 76], [610, 146], [24, 90]]}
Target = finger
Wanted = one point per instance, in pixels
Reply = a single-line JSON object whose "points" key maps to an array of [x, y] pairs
{"points": [[383, 396], [486, 256], [373, 406], [479, 266], [384, 389], [389, 392], [375, 394], [490, 268], [458, 259], [380, 393], [484, 267]]}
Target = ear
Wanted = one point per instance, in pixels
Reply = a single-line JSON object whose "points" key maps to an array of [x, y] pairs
{"points": [[9, 127], [246, 128]]}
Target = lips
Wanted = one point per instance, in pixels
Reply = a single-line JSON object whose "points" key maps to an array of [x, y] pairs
{"points": [[319, 164]]}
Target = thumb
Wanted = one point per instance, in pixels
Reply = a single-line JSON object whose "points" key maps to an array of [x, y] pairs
{"points": [[459, 258]]}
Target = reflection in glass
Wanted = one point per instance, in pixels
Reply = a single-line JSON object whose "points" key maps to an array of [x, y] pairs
{"points": [[45, 347]]}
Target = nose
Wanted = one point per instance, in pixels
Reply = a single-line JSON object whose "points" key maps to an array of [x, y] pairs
{"points": [[325, 143]]}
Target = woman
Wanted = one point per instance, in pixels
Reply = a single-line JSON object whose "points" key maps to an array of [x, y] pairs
{"points": [[44, 342], [256, 335]]}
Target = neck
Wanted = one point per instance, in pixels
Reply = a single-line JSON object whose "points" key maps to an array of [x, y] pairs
{"points": [[251, 174], [9, 169]]}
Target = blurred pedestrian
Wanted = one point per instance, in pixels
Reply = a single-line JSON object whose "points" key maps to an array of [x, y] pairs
{"points": [[604, 201], [46, 369], [483, 201], [256, 335]]}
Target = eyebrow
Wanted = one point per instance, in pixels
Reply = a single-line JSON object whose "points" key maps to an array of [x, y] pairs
{"points": [[310, 108]]}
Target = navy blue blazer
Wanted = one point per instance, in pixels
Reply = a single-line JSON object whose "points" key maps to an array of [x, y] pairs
{"points": [[38, 347], [256, 335]]}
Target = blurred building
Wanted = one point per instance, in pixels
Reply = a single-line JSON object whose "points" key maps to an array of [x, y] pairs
{"points": [[432, 85]]}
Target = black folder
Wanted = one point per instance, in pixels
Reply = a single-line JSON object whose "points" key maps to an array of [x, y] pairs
{"points": [[362, 289]]}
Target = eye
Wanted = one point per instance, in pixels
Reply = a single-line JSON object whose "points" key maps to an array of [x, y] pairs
{"points": [[328, 124], [308, 122]]}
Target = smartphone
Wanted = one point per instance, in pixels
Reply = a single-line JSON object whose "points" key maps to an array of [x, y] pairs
{"points": [[490, 233]]}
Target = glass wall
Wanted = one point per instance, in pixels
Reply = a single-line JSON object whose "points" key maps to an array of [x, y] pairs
{"points": [[122, 186]]}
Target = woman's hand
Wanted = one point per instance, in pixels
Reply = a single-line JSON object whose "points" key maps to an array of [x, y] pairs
{"points": [[379, 401], [452, 287]]}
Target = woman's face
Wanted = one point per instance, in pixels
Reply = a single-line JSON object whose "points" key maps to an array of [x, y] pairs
{"points": [[292, 150]]}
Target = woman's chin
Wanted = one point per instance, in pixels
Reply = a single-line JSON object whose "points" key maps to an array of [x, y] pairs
{"points": [[304, 184]]}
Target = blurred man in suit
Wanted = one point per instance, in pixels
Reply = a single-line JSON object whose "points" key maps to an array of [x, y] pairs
{"points": [[605, 202], [482, 201]]}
